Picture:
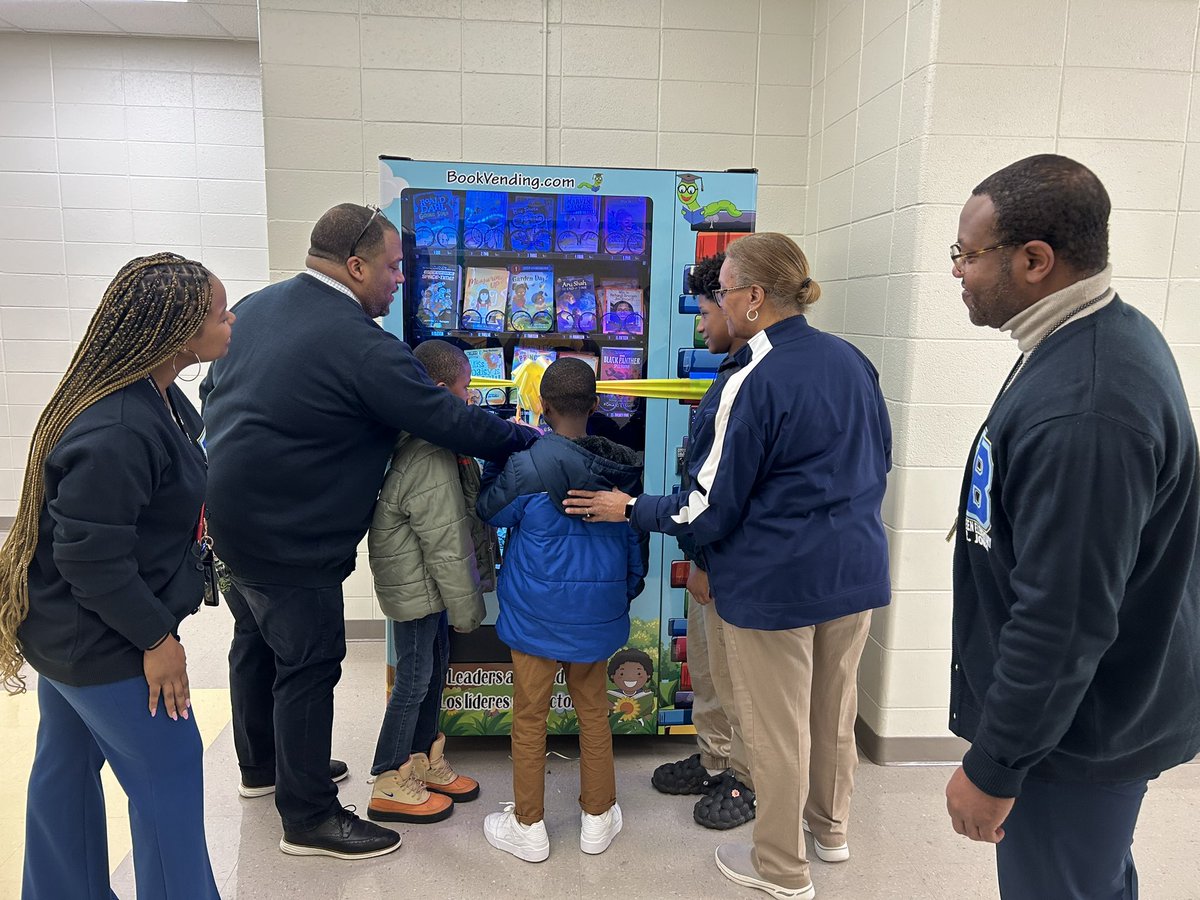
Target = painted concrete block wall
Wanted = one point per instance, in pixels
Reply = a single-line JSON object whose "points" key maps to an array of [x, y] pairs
{"points": [[645, 83], [111, 148], [980, 90]]}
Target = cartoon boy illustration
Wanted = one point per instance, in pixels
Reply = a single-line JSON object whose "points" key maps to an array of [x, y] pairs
{"points": [[630, 670]]}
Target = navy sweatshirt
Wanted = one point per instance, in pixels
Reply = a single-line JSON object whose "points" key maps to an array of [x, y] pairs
{"points": [[114, 568], [1076, 653], [302, 416], [788, 469]]}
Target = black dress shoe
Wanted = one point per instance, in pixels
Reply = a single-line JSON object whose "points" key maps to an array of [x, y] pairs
{"points": [[251, 788], [342, 836]]}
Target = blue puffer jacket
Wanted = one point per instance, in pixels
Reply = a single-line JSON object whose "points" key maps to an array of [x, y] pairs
{"points": [[565, 585]]}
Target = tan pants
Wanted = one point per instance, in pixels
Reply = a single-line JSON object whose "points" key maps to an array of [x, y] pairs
{"points": [[797, 699], [533, 682], [714, 714]]}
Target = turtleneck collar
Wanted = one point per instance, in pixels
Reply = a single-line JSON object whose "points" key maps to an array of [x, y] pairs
{"points": [[1031, 325]]}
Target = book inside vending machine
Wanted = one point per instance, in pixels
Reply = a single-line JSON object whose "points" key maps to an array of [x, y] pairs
{"points": [[516, 263]]}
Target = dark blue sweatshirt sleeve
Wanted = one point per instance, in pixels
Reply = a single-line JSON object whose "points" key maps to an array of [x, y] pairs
{"points": [[395, 389], [1072, 560], [105, 479], [498, 492], [639, 557], [717, 500]]}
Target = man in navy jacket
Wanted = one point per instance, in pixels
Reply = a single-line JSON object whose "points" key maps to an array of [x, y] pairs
{"points": [[1075, 671], [302, 416]]}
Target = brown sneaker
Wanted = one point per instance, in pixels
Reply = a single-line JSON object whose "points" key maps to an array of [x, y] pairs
{"points": [[399, 797], [436, 774]]}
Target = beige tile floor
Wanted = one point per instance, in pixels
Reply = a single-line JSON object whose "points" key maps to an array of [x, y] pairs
{"points": [[902, 843]]}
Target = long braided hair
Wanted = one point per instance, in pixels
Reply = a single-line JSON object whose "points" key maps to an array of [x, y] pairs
{"points": [[151, 308]]}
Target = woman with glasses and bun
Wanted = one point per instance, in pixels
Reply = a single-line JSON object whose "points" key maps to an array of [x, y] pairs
{"points": [[99, 569], [788, 473]]}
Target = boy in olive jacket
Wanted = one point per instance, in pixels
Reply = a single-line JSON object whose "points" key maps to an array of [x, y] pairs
{"points": [[431, 558]]}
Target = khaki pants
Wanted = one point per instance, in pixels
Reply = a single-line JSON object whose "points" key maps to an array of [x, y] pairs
{"points": [[533, 682], [714, 714], [797, 698]]}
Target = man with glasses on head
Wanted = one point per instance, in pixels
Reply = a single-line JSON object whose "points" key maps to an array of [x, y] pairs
{"points": [[1074, 669], [301, 418]]}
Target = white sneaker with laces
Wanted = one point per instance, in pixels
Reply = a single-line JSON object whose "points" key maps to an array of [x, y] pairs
{"points": [[527, 842], [597, 832], [828, 854]]}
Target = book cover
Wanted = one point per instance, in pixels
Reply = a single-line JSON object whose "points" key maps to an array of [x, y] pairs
{"points": [[484, 299], [531, 298], [622, 308], [486, 362], [435, 219], [531, 223], [590, 358], [575, 303], [438, 288], [578, 223], [620, 364], [484, 220], [520, 355], [625, 225]]}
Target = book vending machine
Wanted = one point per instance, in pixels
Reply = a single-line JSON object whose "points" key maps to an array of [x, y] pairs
{"points": [[513, 263]]}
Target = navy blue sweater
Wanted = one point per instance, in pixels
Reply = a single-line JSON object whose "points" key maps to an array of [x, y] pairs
{"points": [[114, 568], [565, 585], [1076, 649], [789, 467], [302, 416]]}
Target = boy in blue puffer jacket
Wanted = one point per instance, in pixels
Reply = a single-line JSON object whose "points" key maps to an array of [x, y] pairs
{"points": [[565, 589]]}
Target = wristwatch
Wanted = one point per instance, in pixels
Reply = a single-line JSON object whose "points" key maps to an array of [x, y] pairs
{"points": [[629, 507]]}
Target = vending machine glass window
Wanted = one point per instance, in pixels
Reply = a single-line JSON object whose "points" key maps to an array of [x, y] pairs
{"points": [[511, 277]]}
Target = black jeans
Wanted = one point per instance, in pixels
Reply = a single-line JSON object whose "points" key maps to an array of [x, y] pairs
{"points": [[284, 662]]}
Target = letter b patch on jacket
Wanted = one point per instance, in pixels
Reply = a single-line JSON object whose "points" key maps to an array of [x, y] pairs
{"points": [[978, 522]]}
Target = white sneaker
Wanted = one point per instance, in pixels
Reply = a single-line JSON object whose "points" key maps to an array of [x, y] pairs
{"points": [[828, 854], [527, 842], [597, 832], [735, 863]]}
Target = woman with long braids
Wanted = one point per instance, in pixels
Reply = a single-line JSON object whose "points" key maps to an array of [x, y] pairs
{"points": [[99, 569]]}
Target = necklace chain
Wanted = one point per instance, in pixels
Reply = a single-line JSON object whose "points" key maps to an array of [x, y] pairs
{"points": [[1057, 325]]}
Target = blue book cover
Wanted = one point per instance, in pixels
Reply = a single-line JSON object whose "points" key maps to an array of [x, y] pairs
{"points": [[484, 220], [578, 223], [435, 219], [437, 294], [486, 362], [531, 223], [575, 303], [625, 225], [531, 298]]}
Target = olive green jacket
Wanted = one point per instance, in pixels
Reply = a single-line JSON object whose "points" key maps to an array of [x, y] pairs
{"points": [[428, 549]]}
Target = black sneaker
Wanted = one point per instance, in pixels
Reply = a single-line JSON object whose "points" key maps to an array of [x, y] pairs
{"points": [[684, 777], [728, 804], [338, 771], [342, 836]]}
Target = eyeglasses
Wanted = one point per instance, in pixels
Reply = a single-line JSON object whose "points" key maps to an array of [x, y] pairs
{"points": [[958, 255], [719, 293], [376, 213]]}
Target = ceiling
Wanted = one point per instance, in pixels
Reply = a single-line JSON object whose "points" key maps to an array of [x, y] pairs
{"points": [[197, 18]]}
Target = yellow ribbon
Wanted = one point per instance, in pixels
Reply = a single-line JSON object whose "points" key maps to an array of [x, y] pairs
{"points": [[652, 388]]}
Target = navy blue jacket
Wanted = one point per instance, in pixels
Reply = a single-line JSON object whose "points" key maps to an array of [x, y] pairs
{"points": [[703, 414], [114, 568], [302, 416], [565, 584], [789, 468], [1076, 653]]}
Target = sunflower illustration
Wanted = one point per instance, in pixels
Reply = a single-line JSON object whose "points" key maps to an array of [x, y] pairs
{"points": [[628, 708]]}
